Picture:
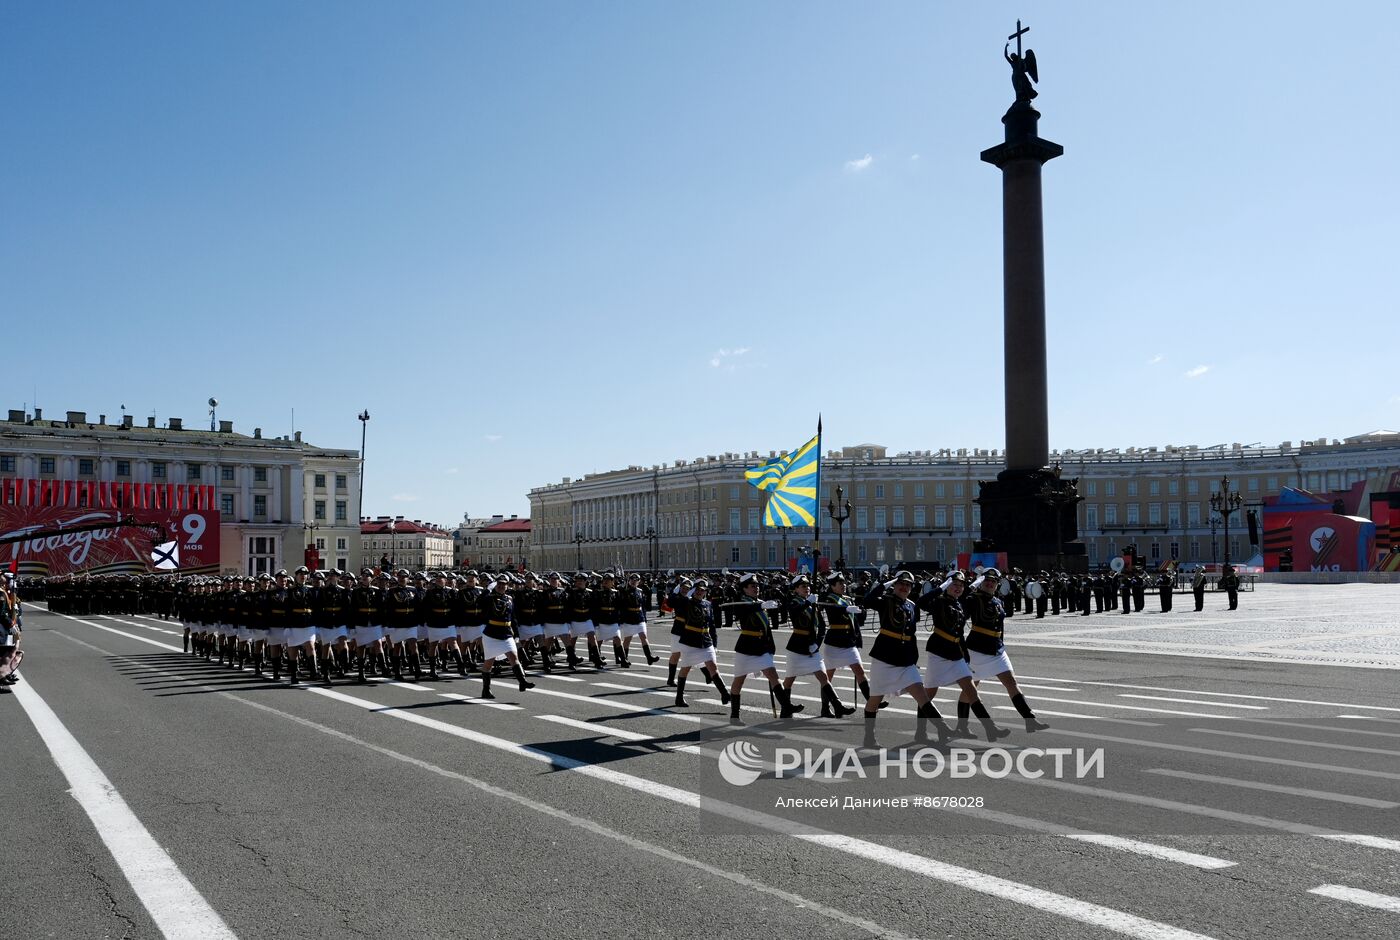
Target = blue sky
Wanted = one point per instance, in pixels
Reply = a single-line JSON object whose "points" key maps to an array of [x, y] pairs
{"points": [[537, 240]]}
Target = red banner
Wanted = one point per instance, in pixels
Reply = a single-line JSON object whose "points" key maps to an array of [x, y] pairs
{"points": [[113, 550]]}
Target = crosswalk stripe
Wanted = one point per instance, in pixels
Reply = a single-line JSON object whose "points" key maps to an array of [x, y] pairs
{"points": [[1275, 788], [1354, 748], [1192, 701], [1382, 902], [1261, 698]]}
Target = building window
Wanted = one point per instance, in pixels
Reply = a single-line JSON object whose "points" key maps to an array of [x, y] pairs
{"points": [[46, 465], [772, 554], [226, 474], [862, 520], [898, 517], [1174, 515], [1195, 550], [1110, 514], [734, 520], [1154, 487], [1173, 487], [85, 467], [959, 518], [860, 491], [1193, 513], [734, 554], [879, 491], [1094, 553], [320, 481], [158, 470], [320, 510], [1175, 550], [899, 491], [753, 519], [918, 491], [259, 474], [919, 550], [1132, 488], [341, 514], [123, 468], [193, 471], [320, 545], [1133, 514], [1193, 487], [7, 464], [260, 505], [920, 517], [734, 492], [860, 553], [1091, 488], [940, 517], [341, 481], [1253, 487], [957, 490], [1154, 513], [226, 505], [1110, 488], [1156, 552], [753, 554], [1272, 484], [939, 490], [880, 519], [1091, 516]]}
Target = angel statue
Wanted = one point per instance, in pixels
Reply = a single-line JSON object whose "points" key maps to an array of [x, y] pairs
{"points": [[1023, 72]]}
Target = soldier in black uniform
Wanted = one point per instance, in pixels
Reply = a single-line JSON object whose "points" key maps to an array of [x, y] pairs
{"points": [[438, 603], [894, 655], [605, 613], [1230, 584], [697, 644], [986, 650], [1166, 583], [553, 610], [1139, 592], [1198, 588], [301, 623], [401, 612], [754, 648], [633, 605], [804, 647], [1125, 593], [946, 662], [499, 639], [843, 637], [277, 602]]}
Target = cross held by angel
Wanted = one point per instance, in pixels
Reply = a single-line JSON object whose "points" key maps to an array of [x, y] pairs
{"points": [[1023, 67]]}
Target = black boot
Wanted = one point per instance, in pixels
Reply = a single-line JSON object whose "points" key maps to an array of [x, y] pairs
{"points": [[865, 691], [646, 651], [714, 680], [734, 718], [486, 684], [928, 709], [831, 704], [1032, 724], [619, 657], [519, 674], [961, 731], [461, 663], [326, 673], [671, 675], [417, 667], [295, 663], [680, 693], [360, 666], [785, 700], [277, 668], [984, 716], [870, 741], [573, 660]]}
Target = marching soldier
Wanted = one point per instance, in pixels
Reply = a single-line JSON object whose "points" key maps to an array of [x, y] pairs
{"points": [[1230, 584], [843, 642], [633, 605], [894, 656], [946, 662], [804, 650], [754, 648], [554, 609], [1166, 583], [498, 640], [698, 645], [1198, 588], [986, 650]]}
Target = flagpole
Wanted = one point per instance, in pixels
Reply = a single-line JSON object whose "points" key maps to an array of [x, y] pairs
{"points": [[817, 510]]}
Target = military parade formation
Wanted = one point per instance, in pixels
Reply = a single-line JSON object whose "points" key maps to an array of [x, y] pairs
{"points": [[383, 624]]}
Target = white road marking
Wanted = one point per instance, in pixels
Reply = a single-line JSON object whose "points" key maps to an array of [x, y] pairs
{"points": [[1192, 701], [1356, 838], [1382, 902], [1258, 698], [144, 626], [1231, 755], [1275, 788], [1105, 718], [607, 731], [176, 906], [1355, 748], [1150, 849], [484, 702], [1040, 900], [1392, 721]]}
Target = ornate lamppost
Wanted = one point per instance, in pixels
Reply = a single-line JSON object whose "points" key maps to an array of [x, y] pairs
{"points": [[578, 550], [1057, 495], [840, 511], [1225, 502]]}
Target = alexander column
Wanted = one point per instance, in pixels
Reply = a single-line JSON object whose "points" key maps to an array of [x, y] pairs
{"points": [[1028, 511]]}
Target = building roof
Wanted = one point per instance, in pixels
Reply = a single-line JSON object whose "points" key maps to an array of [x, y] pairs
{"points": [[510, 525], [73, 424], [401, 527]]}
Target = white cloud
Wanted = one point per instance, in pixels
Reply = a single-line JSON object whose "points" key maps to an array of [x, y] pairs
{"points": [[722, 358], [450, 470], [405, 497], [913, 156], [1197, 372], [493, 438], [857, 166], [1156, 359]]}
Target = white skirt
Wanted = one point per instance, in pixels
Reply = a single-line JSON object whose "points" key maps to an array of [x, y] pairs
{"points": [[582, 627], [366, 636], [692, 656], [634, 629], [442, 634], [556, 629], [296, 636], [470, 634], [800, 665], [402, 634], [986, 667], [608, 631], [940, 673], [890, 680], [838, 656], [747, 665], [331, 634], [495, 649], [529, 631]]}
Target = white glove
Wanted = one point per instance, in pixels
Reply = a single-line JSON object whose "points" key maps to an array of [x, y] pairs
{"points": [[770, 605], [853, 611], [889, 585]]}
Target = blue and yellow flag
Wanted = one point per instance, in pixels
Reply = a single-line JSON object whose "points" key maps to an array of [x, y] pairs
{"points": [[791, 482]]}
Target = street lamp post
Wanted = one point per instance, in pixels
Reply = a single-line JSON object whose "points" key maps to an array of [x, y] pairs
{"points": [[1214, 521], [393, 545], [1226, 502], [651, 550], [364, 429], [839, 512], [578, 550], [1057, 496], [520, 552], [785, 554]]}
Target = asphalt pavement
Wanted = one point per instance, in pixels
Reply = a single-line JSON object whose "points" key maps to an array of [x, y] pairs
{"points": [[1237, 798]]}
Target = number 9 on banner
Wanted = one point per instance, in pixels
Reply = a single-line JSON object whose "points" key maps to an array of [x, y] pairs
{"points": [[194, 525]]}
